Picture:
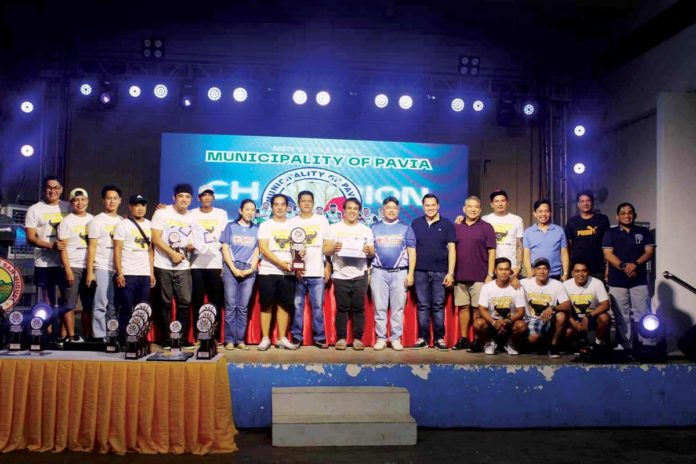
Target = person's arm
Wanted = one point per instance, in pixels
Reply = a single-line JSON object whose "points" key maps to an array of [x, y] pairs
{"points": [[91, 255], [328, 247], [518, 314], [268, 255], [518, 255], [527, 262], [118, 264], [486, 315], [631, 269], [151, 254], [491, 265], [451, 263], [162, 246], [612, 259], [565, 264], [601, 308], [327, 271], [411, 266], [229, 261]]}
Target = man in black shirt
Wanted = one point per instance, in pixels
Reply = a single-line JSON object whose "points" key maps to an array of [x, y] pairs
{"points": [[585, 233]]}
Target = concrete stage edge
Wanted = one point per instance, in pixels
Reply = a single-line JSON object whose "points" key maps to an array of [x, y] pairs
{"points": [[480, 395]]}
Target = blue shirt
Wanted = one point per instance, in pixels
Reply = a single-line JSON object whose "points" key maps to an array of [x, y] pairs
{"points": [[431, 243], [628, 247], [242, 242], [391, 242], [546, 245]]}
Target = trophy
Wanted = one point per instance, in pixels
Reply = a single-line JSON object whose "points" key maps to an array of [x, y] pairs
{"points": [[16, 318], [298, 237], [36, 325], [132, 341], [112, 345], [175, 335], [206, 330]]}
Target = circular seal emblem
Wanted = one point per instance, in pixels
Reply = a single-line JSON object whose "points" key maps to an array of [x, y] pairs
{"points": [[36, 323], [144, 307], [16, 318], [298, 235], [208, 307], [132, 329], [175, 327], [112, 325], [141, 314], [137, 320], [11, 285], [207, 315], [203, 325]]}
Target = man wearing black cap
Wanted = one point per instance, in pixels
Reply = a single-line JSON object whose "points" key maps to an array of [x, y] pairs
{"points": [[172, 236], [133, 259], [547, 306]]}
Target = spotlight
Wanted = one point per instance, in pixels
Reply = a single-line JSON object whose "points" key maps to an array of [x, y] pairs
{"points": [[579, 168], [469, 65], [579, 130], [649, 341], [457, 105], [26, 107], [529, 109], [86, 89], [43, 311], [214, 94], [105, 98], [240, 94], [107, 95], [323, 98], [134, 91], [299, 97], [161, 91], [381, 101], [186, 102], [153, 48], [405, 102], [27, 150], [478, 105]]}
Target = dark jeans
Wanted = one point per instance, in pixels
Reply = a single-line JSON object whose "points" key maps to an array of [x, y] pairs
{"points": [[430, 294], [174, 285], [350, 299], [207, 282], [137, 290]]}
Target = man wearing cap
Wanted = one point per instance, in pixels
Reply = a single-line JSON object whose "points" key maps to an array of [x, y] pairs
{"points": [[546, 240], [42, 222], [133, 260], [547, 306], [100, 259], [585, 233], [508, 232], [206, 266], [172, 236], [73, 231]]}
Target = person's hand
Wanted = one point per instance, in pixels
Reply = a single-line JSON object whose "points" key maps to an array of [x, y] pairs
{"points": [[585, 324], [408, 282], [515, 282], [89, 278], [564, 277], [177, 258], [366, 249], [120, 281], [546, 314], [448, 280], [337, 247], [60, 245], [487, 279], [69, 277], [153, 281], [459, 219]]}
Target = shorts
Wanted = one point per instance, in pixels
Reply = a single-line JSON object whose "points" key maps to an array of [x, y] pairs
{"points": [[46, 277], [467, 293], [78, 288], [277, 290], [539, 327]]}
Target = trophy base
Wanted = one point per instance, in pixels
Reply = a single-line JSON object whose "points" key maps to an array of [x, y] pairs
{"points": [[35, 348], [14, 347], [112, 349]]}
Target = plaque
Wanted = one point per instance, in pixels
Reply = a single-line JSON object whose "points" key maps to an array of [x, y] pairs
{"points": [[133, 341], [207, 348], [36, 325], [16, 319], [175, 336], [112, 345]]}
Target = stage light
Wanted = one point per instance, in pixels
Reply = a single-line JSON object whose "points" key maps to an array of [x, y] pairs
{"points": [[153, 48], [27, 150], [579, 130], [469, 65], [457, 105], [405, 102], [579, 168], [105, 98], [214, 94], [299, 97], [649, 341], [107, 95], [649, 323], [240, 94], [478, 105], [186, 102], [43, 311], [529, 109], [86, 89], [161, 91], [26, 107], [134, 91], [381, 101], [323, 98]]}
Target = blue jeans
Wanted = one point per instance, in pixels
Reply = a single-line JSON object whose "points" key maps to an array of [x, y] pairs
{"points": [[104, 308], [430, 294], [137, 290], [315, 287], [237, 295], [388, 291]]}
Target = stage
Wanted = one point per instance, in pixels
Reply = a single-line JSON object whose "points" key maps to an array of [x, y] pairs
{"points": [[472, 390]]}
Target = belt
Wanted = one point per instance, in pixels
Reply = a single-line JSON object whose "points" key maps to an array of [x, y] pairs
{"points": [[396, 269]]}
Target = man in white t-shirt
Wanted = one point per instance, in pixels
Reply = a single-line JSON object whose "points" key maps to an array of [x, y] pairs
{"points": [[590, 305], [354, 245], [509, 231], [548, 306], [100, 259], [276, 278], [172, 236], [133, 260], [206, 267], [501, 312], [73, 231], [313, 278], [42, 222]]}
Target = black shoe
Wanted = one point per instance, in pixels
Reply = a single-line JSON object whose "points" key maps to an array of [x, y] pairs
{"points": [[462, 344], [475, 347], [420, 344], [554, 352], [441, 345], [322, 345]]}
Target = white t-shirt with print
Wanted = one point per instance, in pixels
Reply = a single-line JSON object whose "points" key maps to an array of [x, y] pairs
{"points": [[349, 267], [172, 223], [101, 228], [501, 302], [507, 229], [73, 228], [211, 225], [135, 257], [317, 230], [541, 297], [45, 219], [278, 236], [586, 298]]}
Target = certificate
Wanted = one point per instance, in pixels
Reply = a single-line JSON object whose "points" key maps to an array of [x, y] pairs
{"points": [[352, 247]]}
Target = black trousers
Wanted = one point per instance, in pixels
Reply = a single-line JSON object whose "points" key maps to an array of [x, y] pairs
{"points": [[207, 282], [350, 299]]}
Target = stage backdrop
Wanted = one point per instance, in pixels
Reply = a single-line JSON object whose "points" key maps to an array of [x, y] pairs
{"points": [[238, 167]]}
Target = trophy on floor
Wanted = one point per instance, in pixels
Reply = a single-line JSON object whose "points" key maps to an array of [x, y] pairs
{"points": [[206, 332], [132, 341], [144, 312], [36, 325], [175, 336], [15, 318], [112, 345], [298, 237]]}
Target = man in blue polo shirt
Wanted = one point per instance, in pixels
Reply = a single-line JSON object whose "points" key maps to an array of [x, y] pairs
{"points": [[436, 252], [546, 240], [627, 249]]}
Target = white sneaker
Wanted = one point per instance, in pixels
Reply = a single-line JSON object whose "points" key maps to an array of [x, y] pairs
{"points": [[380, 345], [490, 347], [287, 344], [396, 345], [265, 344], [510, 348]]}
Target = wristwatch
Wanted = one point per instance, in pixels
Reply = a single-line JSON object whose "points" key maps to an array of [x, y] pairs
{"points": [[622, 266]]}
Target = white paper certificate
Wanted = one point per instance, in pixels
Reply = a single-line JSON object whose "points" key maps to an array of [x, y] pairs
{"points": [[352, 247]]}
